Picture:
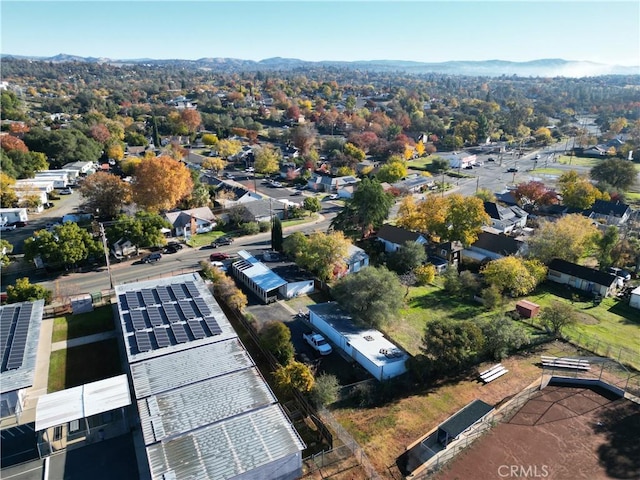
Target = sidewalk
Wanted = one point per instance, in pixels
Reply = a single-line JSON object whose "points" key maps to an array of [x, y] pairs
{"points": [[76, 342]]}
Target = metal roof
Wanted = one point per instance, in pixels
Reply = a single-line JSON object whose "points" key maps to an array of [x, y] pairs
{"points": [[22, 377], [227, 449], [466, 417], [258, 272], [185, 409], [80, 402]]}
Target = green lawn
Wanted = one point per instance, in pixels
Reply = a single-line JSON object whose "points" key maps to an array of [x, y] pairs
{"points": [[548, 171], [84, 364], [578, 161], [606, 327], [74, 326], [421, 163], [202, 239]]}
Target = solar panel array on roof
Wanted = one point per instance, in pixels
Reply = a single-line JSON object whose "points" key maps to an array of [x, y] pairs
{"points": [[148, 297], [6, 323], [202, 306], [19, 337], [154, 316], [178, 291], [171, 312], [192, 289], [132, 300], [196, 329], [143, 341], [180, 332], [137, 318], [163, 293], [162, 336], [187, 309], [213, 326]]}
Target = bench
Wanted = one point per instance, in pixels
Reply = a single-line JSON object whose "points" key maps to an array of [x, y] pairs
{"points": [[561, 362], [492, 373]]}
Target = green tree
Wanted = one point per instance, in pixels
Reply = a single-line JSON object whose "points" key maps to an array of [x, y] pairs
{"points": [[578, 192], [569, 238], [606, 245], [620, 174], [492, 297], [392, 171], [449, 346], [513, 275], [425, 274], [312, 204], [296, 376], [63, 146], [408, 257], [557, 316], [502, 336], [324, 254], [326, 390], [366, 210], [276, 338], [143, 229], [267, 160], [373, 296], [24, 291], [295, 244], [276, 234], [486, 195], [210, 139], [65, 245]]}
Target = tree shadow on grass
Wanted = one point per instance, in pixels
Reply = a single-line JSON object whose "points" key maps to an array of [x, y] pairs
{"points": [[92, 362], [457, 308]]}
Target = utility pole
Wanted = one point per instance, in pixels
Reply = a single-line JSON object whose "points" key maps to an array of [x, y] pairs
{"points": [[106, 253]]}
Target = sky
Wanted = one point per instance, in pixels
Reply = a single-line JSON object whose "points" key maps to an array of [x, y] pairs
{"points": [[423, 31]]}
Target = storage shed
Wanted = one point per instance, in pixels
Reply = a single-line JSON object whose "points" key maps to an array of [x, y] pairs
{"points": [[527, 309]]}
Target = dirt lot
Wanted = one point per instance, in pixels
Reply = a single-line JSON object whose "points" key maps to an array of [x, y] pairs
{"points": [[560, 433]]}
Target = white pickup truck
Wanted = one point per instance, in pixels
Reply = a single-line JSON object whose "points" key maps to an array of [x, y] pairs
{"points": [[318, 343]]}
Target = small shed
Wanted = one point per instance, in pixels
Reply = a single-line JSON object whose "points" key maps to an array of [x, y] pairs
{"points": [[527, 309]]}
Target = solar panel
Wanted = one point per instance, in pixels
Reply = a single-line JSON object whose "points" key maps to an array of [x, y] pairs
{"points": [[163, 294], [178, 291], [137, 318], [187, 309], [180, 332], [202, 306], [19, 340], [6, 322], [132, 300], [213, 326], [148, 297], [171, 312], [192, 289], [143, 341], [162, 337], [196, 329], [154, 316]]}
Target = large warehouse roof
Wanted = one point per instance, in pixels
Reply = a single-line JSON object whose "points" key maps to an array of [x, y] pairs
{"points": [[205, 410]]}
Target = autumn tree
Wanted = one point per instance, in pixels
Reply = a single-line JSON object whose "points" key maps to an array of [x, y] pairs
{"points": [[425, 274], [303, 137], [296, 376], [569, 238], [228, 148], [620, 174], [373, 296], [275, 337], [392, 171], [557, 316], [8, 197], [514, 275], [100, 133], [534, 194], [5, 249], [210, 139], [543, 135], [267, 160], [214, 163], [464, 220], [324, 254], [191, 118], [353, 152], [9, 143], [425, 216], [578, 192], [105, 194], [365, 211], [160, 183]]}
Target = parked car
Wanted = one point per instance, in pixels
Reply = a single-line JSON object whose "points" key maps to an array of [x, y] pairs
{"points": [[537, 156], [317, 342], [333, 196], [170, 249], [296, 194], [176, 245], [19, 224], [66, 191], [512, 170], [7, 228], [218, 256], [619, 272], [221, 241], [490, 159], [152, 257]]}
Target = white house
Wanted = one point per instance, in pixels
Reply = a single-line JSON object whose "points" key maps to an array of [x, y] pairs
{"points": [[41, 195], [634, 300], [59, 180], [191, 222], [356, 259], [33, 185], [11, 215], [505, 219], [582, 278], [393, 237], [368, 347], [326, 183], [85, 168], [71, 173]]}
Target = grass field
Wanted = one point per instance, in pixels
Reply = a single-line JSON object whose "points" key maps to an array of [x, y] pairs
{"points": [[82, 324], [203, 239], [421, 163], [87, 363], [578, 161]]}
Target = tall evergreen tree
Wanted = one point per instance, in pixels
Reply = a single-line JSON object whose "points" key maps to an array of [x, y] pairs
{"points": [[276, 234]]}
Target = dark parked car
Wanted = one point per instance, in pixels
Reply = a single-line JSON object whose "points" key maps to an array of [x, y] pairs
{"points": [[512, 170], [218, 256], [170, 249], [176, 245], [19, 224], [490, 159], [221, 241], [152, 257]]}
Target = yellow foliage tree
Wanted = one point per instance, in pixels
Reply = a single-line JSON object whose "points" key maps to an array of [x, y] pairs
{"points": [[295, 375], [160, 183], [420, 148], [214, 163], [115, 151], [228, 148]]}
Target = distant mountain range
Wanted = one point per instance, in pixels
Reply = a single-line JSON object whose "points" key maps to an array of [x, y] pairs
{"points": [[491, 68]]}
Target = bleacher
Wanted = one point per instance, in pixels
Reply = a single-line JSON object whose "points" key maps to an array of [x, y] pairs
{"points": [[492, 373], [564, 362]]}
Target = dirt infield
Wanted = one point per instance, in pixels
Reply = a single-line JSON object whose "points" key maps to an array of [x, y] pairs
{"points": [[560, 433]]}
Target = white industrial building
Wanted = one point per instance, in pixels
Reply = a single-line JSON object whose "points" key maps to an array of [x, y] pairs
{"points": [[205, 410], [368, 347]]}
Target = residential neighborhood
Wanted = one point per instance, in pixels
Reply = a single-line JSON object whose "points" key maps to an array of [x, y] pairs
{"points": [[179, 242]]}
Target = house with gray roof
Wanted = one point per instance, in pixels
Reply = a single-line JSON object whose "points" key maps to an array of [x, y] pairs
{"points": [[492, 246], [414, 183], [609, 213], [329, 184], [393, 237], [205, 411], [262, 210], [506, 219], [186, 223]]}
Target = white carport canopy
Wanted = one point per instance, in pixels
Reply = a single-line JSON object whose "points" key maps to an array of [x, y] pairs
{"points": [[80, 402]]}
